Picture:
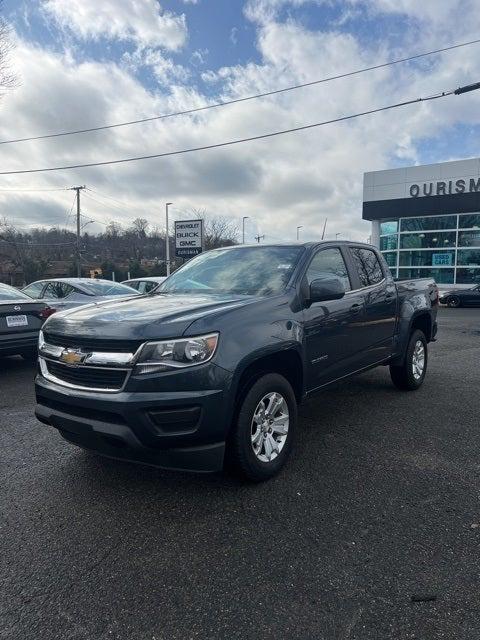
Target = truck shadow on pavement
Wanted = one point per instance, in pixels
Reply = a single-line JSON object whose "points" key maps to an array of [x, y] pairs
{"points": [[326, 417]]}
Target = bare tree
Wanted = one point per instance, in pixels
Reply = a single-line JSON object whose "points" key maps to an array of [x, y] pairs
{"points": [[219, 231], [8, 79], [140, 227]]}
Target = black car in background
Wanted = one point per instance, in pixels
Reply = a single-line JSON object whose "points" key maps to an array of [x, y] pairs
{"points": [[20, 321], [461, 297]]}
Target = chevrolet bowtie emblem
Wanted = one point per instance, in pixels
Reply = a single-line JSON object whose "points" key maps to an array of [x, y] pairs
{"points": [[72, 356]]}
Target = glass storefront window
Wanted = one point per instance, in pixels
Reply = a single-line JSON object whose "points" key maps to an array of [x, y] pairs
{"points": [[442, 276], [389, 226], [387, 243], [428, 240], [391, 258], [468, 276], [470, 221], [427, 258], [469, 257], [469, 239], [428, 224]]}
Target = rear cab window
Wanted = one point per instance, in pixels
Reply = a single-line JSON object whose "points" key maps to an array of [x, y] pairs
{"points": [[367, 265]]}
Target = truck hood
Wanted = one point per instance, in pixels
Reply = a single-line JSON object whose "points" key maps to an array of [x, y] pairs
{"points": [[150, 317]]}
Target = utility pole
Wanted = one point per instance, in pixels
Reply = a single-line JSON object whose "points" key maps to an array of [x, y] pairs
{"points": [[258, 238], [78, 258], [167, 239], [243, 228], [298, 231], [324, 227]]}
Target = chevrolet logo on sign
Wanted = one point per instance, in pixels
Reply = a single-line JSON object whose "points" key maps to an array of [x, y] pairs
{"points": [[72, 356]]}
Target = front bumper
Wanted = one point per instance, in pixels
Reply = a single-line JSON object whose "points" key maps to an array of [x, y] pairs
{"points": [[172, 429]]}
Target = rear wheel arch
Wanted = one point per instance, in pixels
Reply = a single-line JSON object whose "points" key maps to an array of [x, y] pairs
{"points": [[423, 322]]}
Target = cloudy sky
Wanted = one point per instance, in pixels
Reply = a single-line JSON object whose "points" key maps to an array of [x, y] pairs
{"points": [[83, 63]]}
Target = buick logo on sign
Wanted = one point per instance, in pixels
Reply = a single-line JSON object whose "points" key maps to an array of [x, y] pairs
{"points": [[17, 308]]}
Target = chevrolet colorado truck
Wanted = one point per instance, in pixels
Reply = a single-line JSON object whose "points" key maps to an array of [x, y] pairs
{"points": [[208, 369]]}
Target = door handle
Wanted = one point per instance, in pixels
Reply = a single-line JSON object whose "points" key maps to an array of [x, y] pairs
{"points": [[356, 308]]}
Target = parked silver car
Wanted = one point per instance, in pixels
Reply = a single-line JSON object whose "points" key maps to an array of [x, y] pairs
{"points": [[67, 293], [145, 285]]}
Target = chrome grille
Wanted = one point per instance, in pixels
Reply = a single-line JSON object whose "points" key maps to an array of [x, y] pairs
{"points": [[88, 377]]}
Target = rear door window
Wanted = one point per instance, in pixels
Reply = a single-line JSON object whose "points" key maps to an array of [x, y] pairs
{"points": [[368, 266]]}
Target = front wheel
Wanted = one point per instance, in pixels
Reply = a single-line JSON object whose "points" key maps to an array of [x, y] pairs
{"points": [[453, 301], [262, 436], [410, 375]]}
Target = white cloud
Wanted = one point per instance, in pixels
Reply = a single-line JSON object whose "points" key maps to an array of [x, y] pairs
{"points": [[267, 10], [143, 22], [289, 180]]}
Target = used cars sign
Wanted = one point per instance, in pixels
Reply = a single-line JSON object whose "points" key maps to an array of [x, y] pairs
{"points": [[188, 238]]}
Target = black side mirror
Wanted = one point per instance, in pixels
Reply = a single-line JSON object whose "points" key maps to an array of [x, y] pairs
{"points": [[326, 289]]}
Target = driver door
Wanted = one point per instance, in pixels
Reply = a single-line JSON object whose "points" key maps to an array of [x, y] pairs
{"points": [[331, 326]]}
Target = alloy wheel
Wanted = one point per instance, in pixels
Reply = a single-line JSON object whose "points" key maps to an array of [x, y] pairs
{"points": [[418, 360], [269, 429]]}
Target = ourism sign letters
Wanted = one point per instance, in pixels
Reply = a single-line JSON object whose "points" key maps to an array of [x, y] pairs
{"points": [[188, 238]]}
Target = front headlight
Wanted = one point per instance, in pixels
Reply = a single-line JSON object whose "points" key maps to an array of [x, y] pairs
{"points": [[176, 354]]}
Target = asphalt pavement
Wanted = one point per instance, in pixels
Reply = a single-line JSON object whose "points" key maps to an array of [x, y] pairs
{"points": [[371, 532]]}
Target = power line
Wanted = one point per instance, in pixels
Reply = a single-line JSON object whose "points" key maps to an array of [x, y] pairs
{"points": [[70, 212], [33, 190], [245, 98], [37, 244], [105, 204], [102, 195], [251, 138]]}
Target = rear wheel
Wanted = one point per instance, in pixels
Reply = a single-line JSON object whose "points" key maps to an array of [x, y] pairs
{"points": [[453, 301], [262, 436], [410, 375]]}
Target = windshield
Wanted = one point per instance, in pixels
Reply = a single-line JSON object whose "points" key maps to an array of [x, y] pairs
{"points": [[9, 293], [105, 288], [243, 270]]}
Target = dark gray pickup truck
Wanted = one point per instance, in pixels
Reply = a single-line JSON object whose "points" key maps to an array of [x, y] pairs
{"points": [[209, 368]]}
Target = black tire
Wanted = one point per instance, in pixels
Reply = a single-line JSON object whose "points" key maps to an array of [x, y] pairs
{"points": [[403, 376], [454, 302], [240, 453]]}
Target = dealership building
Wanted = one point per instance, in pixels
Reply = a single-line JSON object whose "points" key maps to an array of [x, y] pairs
{"points": [[426, 220]]}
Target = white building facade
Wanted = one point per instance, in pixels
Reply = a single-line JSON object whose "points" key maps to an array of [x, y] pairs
{"points": [[426, 220]]}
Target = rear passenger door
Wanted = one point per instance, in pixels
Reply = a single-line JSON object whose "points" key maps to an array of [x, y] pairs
{"points": [[377, 326]]}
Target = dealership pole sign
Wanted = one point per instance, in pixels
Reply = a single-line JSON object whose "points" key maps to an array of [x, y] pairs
{"points": [[188, 238]]}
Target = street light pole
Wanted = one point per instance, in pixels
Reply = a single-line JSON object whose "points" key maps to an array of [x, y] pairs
{"points": [[243, 228], [338, 234], [298, 231], [167, 239]]}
